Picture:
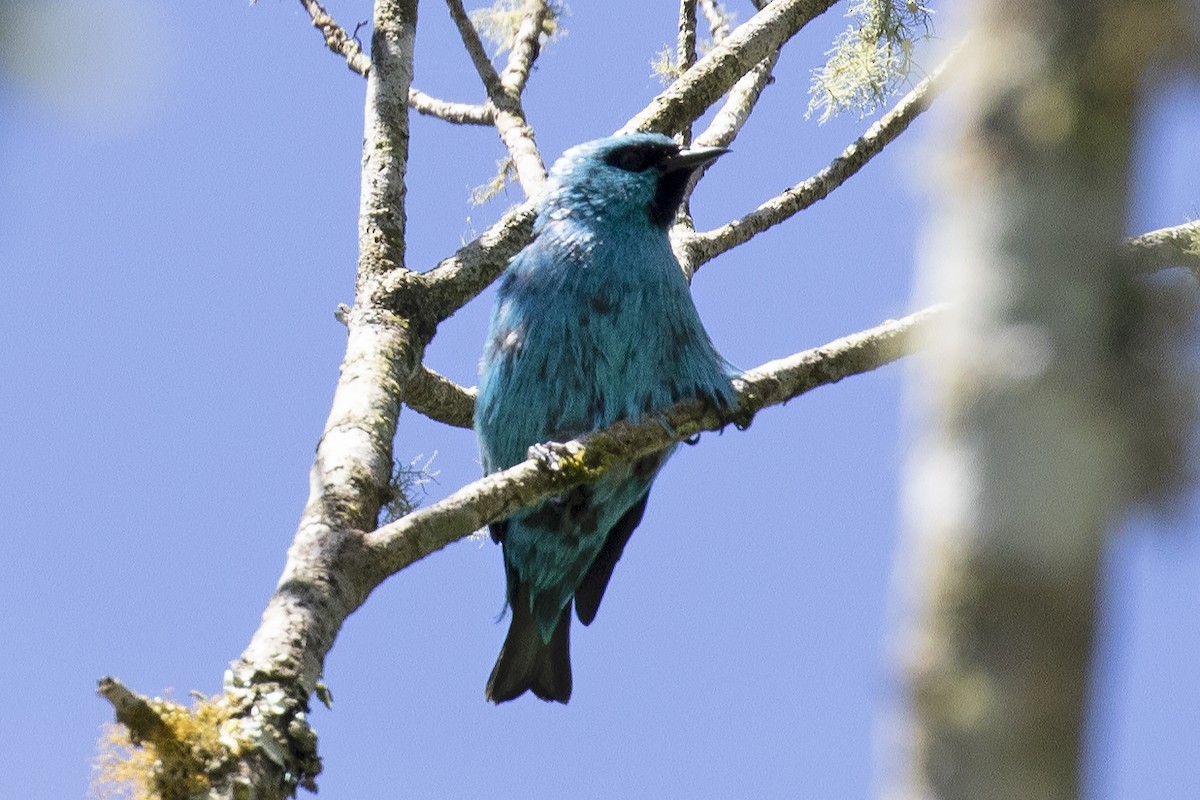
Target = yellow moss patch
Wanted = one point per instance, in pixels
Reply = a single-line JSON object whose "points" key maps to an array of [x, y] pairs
{"points": [[175, 766], [1193, 246]]}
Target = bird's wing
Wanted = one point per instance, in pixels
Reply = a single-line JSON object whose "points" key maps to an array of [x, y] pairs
{"points": [[595, 580]]}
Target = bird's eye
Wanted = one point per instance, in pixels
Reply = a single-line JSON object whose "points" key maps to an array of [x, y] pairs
{"points": [[634, 159]]}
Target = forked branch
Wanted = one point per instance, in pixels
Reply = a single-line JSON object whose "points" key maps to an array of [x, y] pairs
{"points": [[349, 48], [504, 92], [705, 246]]}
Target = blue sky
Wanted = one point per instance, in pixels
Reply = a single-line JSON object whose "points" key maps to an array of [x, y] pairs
{"points": [[174, 238]]}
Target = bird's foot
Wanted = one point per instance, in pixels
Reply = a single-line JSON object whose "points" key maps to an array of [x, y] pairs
{"points": [[737, 414], [738, 418], [554, 455]]}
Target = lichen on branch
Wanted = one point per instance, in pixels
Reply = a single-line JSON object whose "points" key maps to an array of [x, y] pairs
{"points": [[870, 59]]}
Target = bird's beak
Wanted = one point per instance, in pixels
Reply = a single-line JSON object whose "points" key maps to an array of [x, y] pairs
{"points": [[694, 158]]}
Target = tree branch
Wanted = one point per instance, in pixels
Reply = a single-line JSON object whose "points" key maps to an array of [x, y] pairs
{"points": [[1178, 246], [336, 38], [703, 247], [738, 105], [400, 543], [474, 46], [526, 48], [718, 19], [134, 712], [441, 399], [276, 675], [346, 46], [508, 115], [685, 51], [701, 86], [458, 279], [457, 113]]}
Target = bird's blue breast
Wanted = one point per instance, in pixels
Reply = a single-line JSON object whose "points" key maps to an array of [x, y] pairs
{"points": [[592, 324], [590, 327]]}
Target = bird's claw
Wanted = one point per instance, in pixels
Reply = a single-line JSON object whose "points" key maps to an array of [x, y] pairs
{"points": [[741, 421], [552, 455]]}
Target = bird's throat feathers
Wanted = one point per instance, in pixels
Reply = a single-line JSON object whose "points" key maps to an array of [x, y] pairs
{"points": [[622, 181], [576, 211]]}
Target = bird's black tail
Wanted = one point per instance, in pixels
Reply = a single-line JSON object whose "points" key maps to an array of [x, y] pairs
{"points": [[526, 662]]}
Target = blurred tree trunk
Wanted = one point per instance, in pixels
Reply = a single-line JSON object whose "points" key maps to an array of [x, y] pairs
{"points": [[1047, 394]]}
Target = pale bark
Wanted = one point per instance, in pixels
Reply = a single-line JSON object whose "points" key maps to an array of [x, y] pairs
{"points": [[273, 679], [1038, 435]]}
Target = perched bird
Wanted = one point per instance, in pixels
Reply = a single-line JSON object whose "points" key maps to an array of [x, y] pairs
{"points": [[593, 323]]}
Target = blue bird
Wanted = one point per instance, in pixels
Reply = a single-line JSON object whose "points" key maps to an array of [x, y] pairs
{"points": [[593, 323]]}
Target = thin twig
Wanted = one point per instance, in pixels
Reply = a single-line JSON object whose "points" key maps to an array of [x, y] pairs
{"points": [[345, 45], [685, 44], [134, 712], [685, 59], [336, 38], [740, 102], [474, 46], [457, 113], [704, 247], [718, 19], [458, 279], [509, 116], [764, 33], [441, 399], [526, 47]]}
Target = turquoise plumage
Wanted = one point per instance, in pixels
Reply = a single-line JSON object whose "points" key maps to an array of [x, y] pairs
{"points": [[593, 323]]}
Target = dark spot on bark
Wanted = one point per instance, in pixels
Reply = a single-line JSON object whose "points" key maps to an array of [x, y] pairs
{"points": [[584, 319], [601, 304]]}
